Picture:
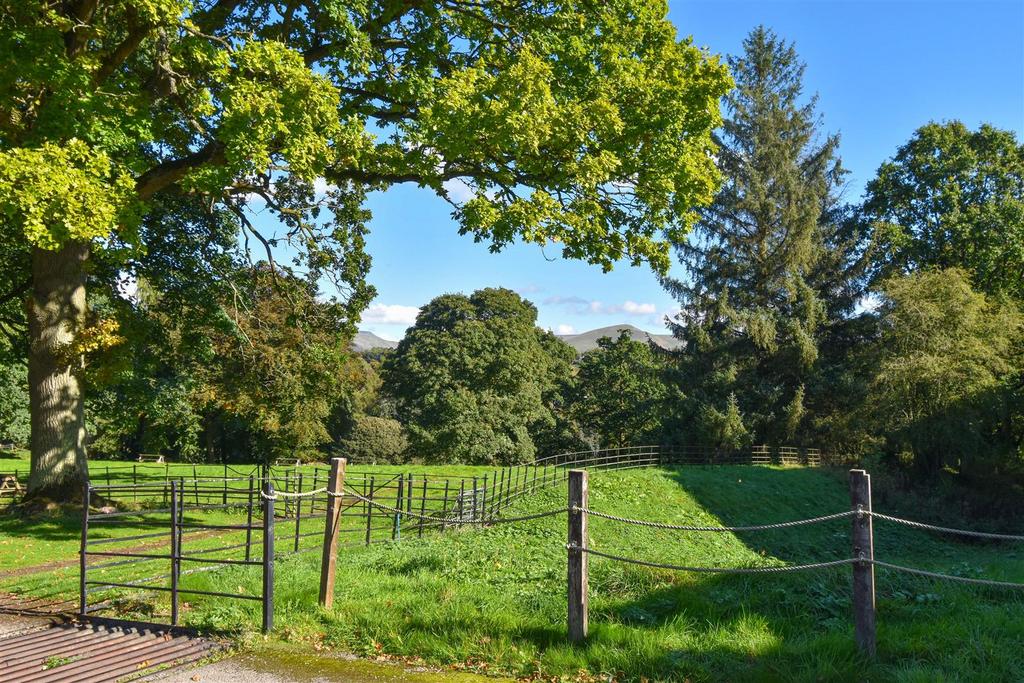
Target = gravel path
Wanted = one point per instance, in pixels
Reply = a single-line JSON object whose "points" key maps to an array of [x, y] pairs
{"points": [[13, 624]]}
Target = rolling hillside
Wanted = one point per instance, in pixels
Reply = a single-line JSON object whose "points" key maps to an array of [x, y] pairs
{"points": [[587, 341], [582, 342], [364, 341]]}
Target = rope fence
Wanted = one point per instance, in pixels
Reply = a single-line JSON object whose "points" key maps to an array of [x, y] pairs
{"points": [[772, 569], [400, 504], [735, 529], [947, 530]]}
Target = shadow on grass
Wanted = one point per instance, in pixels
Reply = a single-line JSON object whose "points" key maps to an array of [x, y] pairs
{"points": [[752, 495]]}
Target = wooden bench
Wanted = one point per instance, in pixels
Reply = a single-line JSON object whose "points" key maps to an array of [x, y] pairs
{"points": [[150, 457], [10, 486]]}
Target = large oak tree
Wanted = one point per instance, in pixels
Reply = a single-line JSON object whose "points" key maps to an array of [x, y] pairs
{"points": [[585, 124]]}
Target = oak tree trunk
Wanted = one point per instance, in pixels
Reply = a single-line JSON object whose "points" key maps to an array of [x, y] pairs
{"points": [[56, 313]]}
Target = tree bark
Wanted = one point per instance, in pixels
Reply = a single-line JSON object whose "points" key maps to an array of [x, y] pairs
{"points": [[56, 314]]}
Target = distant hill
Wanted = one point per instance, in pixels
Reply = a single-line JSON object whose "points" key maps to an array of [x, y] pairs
{"points": [[587, 341], [582, 342], [364, 341]]}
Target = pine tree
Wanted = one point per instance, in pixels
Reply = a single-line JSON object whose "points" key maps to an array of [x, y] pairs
{"points": [[755, 296]]}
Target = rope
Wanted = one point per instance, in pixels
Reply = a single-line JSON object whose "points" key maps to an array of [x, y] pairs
{"points": [[298, 494], [718, 570], [947, 530], [802, 567], [682, 527], [948, 577], [436, 518]]}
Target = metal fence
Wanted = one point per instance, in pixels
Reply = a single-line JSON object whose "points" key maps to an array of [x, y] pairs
{"points": [[150, 527], [169, 527]]}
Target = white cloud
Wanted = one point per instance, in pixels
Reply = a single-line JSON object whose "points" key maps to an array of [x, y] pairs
{"points": [[390, 314], [529, 289], [256, 202], [582, 306], [633, 308], [565, 329], [458, 191], [320, 188]]}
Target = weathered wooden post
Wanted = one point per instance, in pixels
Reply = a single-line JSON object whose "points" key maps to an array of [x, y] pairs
{"points": [[863, 570], [332, 529], [268, 556], [577, 574]]}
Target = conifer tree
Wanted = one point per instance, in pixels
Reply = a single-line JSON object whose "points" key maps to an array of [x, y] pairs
{"points": [[753, 301]]}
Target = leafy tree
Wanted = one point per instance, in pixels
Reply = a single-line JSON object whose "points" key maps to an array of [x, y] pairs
{"points": [[559, 433], [585, 124], [619, 392], [359, 394], [947, 364], [375, 440], [471, 376], [724, 429], [14, 419], [253, 375], [754, 301], [953, 198]]}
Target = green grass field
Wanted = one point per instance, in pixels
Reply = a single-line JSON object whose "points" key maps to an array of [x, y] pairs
{"points": [[493, 599]]}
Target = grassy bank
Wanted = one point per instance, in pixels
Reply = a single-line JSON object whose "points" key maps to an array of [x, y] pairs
{"points": [[494, 599]]}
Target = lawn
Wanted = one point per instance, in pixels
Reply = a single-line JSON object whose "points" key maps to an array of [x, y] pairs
{"points": [[494, 599]]}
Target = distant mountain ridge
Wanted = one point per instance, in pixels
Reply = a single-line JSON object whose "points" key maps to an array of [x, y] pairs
{"points": [[364, 341], [587, 341], [582, 342]]}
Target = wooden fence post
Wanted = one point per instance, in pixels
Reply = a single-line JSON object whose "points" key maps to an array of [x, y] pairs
{"points": [[332, 528], [863, 571], [577, 574], [268, 556]]}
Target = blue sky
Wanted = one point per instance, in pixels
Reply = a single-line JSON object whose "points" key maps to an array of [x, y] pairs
{"points": [[881, 69]]}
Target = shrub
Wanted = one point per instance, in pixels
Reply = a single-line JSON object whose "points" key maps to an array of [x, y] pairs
{"points": [[375, 440]]}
